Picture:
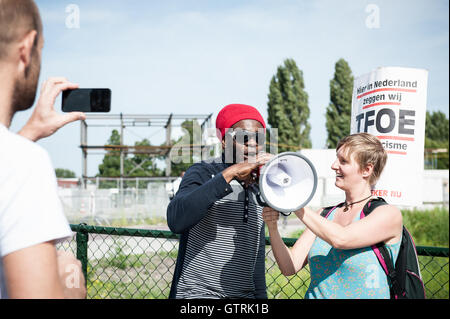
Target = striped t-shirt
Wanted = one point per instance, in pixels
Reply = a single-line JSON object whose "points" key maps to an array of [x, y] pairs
{"points": [[222, 245]]}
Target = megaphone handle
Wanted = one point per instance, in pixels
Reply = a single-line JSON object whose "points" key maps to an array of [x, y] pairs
{"points": [[260, 200]]}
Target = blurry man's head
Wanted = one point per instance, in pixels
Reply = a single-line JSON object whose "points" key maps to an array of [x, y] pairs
{"points": [[21, 44]]}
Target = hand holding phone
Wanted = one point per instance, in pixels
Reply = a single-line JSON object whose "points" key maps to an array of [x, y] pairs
{"points": [[86, 100], [45, 120]]}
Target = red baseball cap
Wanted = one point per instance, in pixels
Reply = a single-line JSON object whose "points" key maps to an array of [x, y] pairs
{"points": [[233, 113]]}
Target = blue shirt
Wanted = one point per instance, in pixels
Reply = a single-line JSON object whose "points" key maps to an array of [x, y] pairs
{"points": [[347, 273]]}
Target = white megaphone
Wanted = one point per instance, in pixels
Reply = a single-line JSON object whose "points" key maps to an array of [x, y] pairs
{"points": [[287, 182]]}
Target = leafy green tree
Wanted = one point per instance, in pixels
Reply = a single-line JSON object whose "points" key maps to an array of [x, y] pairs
{"points": [[139, 165], [110, 166], [142, 164], [288, 109], [340, 108], [436, 137], [437, 126], [64, 173]]}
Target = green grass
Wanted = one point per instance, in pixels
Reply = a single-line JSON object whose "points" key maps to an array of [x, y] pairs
{"points": [[435, 276], [137, 276], [281, 287], [130, 276], [428, 227], [146, 279]]}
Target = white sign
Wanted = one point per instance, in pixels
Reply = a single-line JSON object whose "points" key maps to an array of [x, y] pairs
{"points": [[390, 103]]}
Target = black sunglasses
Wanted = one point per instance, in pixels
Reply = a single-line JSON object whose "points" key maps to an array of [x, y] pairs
{"points": [[244, 136]]}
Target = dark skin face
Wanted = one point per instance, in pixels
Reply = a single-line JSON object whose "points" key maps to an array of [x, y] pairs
{"points": [[248, 151], [247, 157]]}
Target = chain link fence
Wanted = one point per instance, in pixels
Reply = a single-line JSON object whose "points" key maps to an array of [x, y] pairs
{"points": [[124, 263]]}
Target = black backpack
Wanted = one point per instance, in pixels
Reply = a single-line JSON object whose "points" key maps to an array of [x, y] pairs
{"points": [[405, 278]]}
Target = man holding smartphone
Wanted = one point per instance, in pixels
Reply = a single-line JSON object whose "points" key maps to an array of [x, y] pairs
{"points": [[31, 215]]}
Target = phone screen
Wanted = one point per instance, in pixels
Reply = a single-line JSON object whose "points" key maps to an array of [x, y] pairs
{"points": [[86, 100]]}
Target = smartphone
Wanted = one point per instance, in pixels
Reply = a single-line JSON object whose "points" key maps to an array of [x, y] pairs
{"points": [[86, 100]]}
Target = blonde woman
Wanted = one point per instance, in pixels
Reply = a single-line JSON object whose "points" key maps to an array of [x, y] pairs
{"points": [[338, 247]]}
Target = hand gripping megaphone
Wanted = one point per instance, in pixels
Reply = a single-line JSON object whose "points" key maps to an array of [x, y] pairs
{"points": [[287, 182]]}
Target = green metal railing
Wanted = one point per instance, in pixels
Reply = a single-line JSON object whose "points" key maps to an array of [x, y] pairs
{"points": [[139, 263]]}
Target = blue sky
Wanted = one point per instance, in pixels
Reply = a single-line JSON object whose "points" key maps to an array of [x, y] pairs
{"points": [[198, 56]]}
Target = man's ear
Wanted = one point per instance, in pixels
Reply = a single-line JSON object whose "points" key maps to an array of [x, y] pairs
{"points": [[25, 50]]}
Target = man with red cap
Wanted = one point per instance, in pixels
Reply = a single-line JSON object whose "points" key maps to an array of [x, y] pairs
{"points": [[222, 246]]}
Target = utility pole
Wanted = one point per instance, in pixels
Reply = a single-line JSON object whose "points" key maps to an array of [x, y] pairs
{"points": [[168, 128]]}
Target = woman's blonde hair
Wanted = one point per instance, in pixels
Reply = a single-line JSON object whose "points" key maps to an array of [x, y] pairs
{"points": [[367, 149]]}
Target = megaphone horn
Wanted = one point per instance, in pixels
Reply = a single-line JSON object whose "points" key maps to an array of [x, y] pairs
{"points": [[287, 182]]}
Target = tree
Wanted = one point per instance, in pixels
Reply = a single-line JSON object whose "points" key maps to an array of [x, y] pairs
{"points": [[288, 109], [340, 108], [64, 173], [437, 126], [436, 137], [142, 164], [139, 165], [110, 166]]}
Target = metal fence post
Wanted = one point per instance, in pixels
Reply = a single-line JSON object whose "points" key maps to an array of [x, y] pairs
{"points": [[82, 238]]}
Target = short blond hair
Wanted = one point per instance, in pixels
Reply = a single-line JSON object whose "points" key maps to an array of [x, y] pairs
{"points": [[367, 149]]}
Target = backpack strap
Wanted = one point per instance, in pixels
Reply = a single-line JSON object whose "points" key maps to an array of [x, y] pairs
{"points": [[371, 205], [327, 210], [391, 273], [367, 209], [381, 251]]}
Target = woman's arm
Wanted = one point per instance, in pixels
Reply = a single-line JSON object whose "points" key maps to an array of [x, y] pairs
{"points": [[382, 225], [289, 260]]}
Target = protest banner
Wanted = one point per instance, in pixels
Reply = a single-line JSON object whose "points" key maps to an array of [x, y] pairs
{"points": [[390, 103]]}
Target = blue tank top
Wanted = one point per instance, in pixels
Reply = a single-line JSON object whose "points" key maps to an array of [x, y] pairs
{"points": [[347, 273]]}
